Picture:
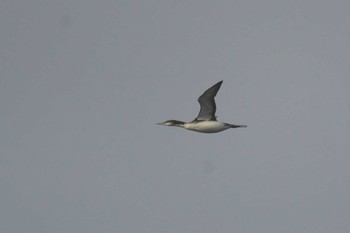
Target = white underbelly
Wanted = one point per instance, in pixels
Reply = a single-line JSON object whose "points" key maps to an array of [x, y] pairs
{"points": [[206, 126]]}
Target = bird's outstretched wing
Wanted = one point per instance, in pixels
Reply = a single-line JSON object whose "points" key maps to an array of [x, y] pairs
{"points": [[207, 103]]}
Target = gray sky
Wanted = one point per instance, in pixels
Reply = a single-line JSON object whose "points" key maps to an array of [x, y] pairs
{"points": [[83, 83]]}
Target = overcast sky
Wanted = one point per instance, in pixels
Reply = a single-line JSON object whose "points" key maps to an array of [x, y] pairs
{"points": [[83, 84]]}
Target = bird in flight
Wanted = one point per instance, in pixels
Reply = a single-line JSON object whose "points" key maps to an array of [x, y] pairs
{"points": [[206, 121]]}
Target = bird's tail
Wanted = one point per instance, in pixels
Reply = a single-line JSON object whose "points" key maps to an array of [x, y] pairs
{"points": [[238, 126]]}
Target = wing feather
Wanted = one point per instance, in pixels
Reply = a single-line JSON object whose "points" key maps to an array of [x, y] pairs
{"points": [[207, 103]]}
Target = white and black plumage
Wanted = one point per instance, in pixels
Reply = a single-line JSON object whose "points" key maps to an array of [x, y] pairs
{"points": [[206, 121]]}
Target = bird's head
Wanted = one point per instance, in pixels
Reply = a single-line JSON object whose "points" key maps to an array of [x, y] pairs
{"points": [[172, 123]]}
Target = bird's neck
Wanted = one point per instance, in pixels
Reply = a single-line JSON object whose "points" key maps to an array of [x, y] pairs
{"points": [[179, 124]]}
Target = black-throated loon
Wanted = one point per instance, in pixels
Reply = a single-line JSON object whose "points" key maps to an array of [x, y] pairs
{"points": [[205, 122]]}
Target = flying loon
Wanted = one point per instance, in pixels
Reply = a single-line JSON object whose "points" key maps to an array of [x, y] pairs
{"points": [[206, 121]]}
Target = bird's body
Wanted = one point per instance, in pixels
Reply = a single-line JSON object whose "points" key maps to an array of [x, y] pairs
{"points": [[207, 126], [206, 121]]}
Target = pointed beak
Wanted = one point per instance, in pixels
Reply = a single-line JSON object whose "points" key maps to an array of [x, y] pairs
{"points": [[161, 123]]}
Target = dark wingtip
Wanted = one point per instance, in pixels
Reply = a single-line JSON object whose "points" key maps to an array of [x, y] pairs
{"points": [[217, 85]]}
